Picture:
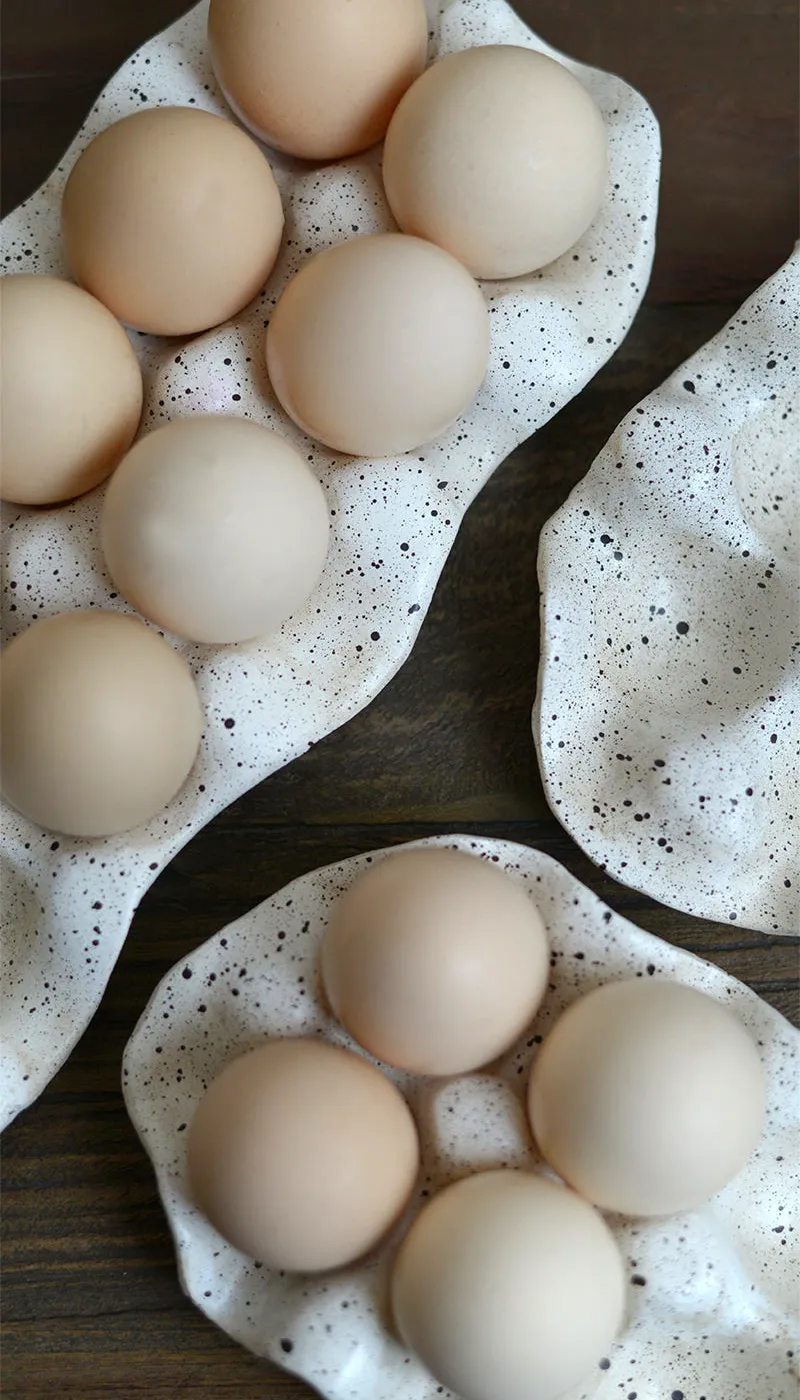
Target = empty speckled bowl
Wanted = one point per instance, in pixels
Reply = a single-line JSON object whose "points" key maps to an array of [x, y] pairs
{"points": [[666, 719], [393, 521], [712, 1293]]}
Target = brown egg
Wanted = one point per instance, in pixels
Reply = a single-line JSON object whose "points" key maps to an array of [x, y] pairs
{"points": [[172, 218], [317, 78], [215, 528], [377, 345], [499, 155], [509, 1287], [302, 1155], [100, 723], [647, 1097], [70, 391], [435, 961]]}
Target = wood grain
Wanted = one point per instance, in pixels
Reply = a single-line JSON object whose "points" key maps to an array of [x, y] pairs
{"points": [[91, 1303]]}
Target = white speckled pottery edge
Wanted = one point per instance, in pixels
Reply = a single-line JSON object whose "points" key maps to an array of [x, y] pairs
{"points": [[666, 719], [68, 903], [712, 1293]]}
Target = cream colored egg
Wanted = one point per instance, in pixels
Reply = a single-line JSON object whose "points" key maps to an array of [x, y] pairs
{"points": [[317, 78], [378, 345], [70, 391], [435, 961], [647, 1097], [100, 723], [499, 155], [172, 218], [302, 1155], [215, 528], [509, 1287]]}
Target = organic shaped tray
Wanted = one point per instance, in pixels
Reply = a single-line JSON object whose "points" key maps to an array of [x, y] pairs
{"points": [[712, 1293], [69, 903], [666, 720]]}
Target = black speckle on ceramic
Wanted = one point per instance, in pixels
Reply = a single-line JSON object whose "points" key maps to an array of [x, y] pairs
{"points": [[393, 521], [667, 720], [712, 1293]]}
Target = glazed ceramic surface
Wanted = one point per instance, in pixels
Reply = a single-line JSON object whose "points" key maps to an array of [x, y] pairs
{"points": [[70, 902], [667, 720], [711, 1293]]}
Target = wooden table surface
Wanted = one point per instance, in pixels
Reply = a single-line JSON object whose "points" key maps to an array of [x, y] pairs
{"points": [[91, 1301]]}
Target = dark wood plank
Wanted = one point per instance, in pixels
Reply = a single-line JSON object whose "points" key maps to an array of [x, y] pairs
{"points": [[92, 1306], [48, 37]]}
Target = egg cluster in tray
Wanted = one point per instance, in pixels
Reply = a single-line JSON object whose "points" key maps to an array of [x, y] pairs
{"points": [[708, 1293], [392, 521]]}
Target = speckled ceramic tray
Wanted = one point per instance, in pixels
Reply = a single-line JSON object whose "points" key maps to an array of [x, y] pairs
{"points": [[666, 720], [68, 903], [711, 1294]]}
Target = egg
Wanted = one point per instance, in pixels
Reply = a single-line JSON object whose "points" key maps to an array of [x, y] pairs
{"points": [[378, 344], [317, 78], [70, 391], [100, 723], [499, 155], [647, 1097], [172, 218], [435, 961], [302, 1155], [508, 1287], [215, 528]]}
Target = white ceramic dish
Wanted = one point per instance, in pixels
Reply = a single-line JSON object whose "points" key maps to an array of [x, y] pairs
{"points": [[669, 682], [712, 1293], [69, 903]]}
